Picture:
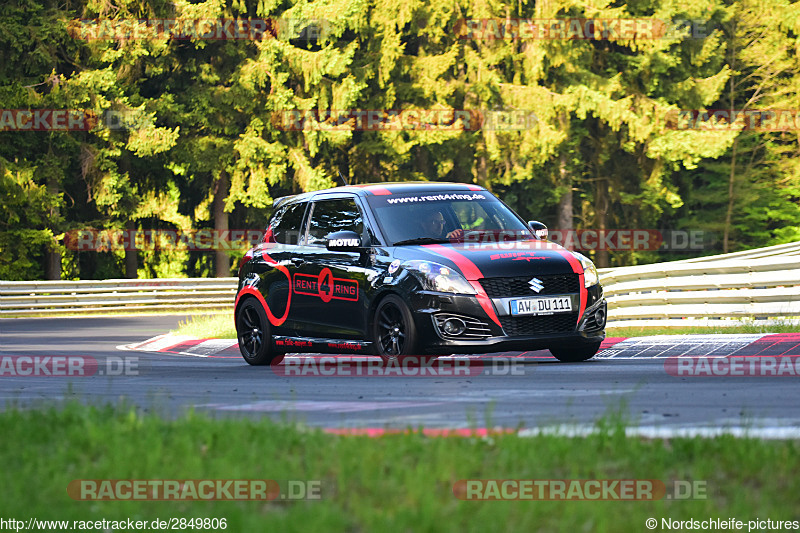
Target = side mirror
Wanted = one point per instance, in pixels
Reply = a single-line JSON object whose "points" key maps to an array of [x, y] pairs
{"points": [[344, 241], [539, 229]]}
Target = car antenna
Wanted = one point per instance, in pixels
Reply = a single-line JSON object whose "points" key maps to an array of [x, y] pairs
{"points": [[342, 178]]}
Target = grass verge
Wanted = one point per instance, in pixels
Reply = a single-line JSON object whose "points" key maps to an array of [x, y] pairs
{"points": [[404, 481], [221, 327], [207, 327]]}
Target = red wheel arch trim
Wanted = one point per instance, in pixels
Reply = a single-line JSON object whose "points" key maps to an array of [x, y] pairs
{"points": [[275, 321]]}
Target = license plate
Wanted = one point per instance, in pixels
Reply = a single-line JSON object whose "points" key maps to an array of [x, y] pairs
{"points": [[541, 306]]}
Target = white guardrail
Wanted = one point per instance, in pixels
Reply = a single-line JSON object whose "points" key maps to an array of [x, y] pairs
{"points": [[758, 284], [188, 295]]}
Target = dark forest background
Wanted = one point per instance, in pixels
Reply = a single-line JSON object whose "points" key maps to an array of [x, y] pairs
{"points": [[201, 147]]}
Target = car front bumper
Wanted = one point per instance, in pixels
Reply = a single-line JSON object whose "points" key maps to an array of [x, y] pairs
{"points": [[513, 333]]}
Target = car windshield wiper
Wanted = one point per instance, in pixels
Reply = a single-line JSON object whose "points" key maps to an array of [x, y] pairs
{"points": [[422, 240]]}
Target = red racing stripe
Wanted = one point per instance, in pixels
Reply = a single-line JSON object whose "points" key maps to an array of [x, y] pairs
{"points": [[268, 235], [578, 269], [472, 273]]}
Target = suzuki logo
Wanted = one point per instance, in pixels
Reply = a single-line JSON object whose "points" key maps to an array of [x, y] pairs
{"points": [[536, 285]]}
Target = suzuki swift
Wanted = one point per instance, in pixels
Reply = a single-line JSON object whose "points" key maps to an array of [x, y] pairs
{"points": [[412, 269]]}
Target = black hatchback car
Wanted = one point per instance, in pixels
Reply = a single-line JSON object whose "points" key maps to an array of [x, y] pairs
{"points": [[411, 269]]}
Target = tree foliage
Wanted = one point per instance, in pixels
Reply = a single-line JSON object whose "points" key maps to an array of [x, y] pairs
{"points": [[205, 144]]}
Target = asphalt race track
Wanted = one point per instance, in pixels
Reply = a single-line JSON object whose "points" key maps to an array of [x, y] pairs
{"points": [[642, 379]]}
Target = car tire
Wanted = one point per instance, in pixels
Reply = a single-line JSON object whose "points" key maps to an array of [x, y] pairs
{"points": [[575, 353], [394, 334], [254, 333]]}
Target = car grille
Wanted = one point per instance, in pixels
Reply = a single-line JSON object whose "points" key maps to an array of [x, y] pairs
{"points": [[538, 325], [518, 286]]}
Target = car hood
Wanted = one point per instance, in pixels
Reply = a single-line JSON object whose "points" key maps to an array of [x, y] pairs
{"points": [[510, 259]]}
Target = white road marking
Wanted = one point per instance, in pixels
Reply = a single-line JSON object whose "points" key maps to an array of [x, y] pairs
{"points": [[273, 406], [679, 346], [211, 347], [158, 343], [756, 429]]}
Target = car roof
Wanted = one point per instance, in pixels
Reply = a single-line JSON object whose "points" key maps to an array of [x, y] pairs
{"points": [[381, 189]]}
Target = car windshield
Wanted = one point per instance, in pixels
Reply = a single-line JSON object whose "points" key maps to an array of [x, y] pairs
{"points": [[446, 216]]}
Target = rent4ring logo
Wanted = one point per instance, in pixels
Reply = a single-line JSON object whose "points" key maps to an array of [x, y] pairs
{"points": [[326, 287]]}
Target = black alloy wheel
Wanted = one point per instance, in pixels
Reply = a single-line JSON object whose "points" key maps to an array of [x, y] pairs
{"points": [[394, 333], [254, 334]]}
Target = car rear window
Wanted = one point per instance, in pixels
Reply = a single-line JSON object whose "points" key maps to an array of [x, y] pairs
{"points": [[329, 216], [287, 224]]}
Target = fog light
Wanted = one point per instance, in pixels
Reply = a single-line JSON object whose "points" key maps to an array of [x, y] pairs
{"points": [[600, 318], [454, 326]]}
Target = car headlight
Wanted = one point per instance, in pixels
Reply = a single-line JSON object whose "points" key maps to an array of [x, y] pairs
{"points": [[590, 276], [436, 277]]}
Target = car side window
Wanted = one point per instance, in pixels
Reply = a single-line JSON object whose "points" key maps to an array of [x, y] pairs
{"points": [[329, 216], [287, 226]]}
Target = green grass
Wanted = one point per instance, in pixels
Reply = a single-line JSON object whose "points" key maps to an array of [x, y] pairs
{"points": [[218, 326], [221, 327], [396, 483]]}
